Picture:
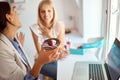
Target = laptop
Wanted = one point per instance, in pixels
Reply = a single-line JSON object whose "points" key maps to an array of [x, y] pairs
{"points": [[109, 69]]}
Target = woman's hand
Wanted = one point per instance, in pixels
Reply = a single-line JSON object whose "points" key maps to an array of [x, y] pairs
{"points": [[21, 38], [47, 56], [63, 54]]}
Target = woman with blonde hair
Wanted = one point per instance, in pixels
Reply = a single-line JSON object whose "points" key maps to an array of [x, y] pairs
{"points": [[48, 27]]}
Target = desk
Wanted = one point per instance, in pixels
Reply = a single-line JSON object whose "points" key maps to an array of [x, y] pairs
{"points": [[66, 65]]}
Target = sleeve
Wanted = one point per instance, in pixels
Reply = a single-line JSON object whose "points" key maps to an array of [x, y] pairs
{"points": [[36, 30], [30, 77]]}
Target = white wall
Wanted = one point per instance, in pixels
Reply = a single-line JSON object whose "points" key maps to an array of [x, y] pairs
{"points": [[59, 9], [92, 14], [119, 20], [114, 23]]}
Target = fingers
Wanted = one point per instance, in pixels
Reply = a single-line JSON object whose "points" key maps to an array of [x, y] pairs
{"points": [[21, 37], [47, 56], [63, 54], [52, 54], [17, 35]]}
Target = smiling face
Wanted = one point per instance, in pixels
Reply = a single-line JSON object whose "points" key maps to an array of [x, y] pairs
{"points": [[46, 13]]}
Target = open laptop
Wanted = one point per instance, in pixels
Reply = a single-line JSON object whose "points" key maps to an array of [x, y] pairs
{"points": [[109, 69]]}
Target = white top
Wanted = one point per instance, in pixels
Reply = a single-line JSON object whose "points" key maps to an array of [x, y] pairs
{"points": [[36, 29]]}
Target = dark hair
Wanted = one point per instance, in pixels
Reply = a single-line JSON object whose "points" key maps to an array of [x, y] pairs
{"points": [[4, 9]]}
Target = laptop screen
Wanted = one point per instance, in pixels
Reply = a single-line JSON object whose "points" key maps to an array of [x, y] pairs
{"points": [[113, 60]]}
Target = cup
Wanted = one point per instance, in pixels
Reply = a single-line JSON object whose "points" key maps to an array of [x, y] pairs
{"points": [[67, 44], [51, 43]]}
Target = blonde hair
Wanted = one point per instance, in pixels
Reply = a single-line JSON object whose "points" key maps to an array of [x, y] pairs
{"points": [[41, 22]]}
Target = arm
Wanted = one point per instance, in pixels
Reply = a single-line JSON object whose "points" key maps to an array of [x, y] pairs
{"points": [[21, 38], [28, 76], [44, 57], [12, 68], [61, 36], [35, 38], [13, 71]]}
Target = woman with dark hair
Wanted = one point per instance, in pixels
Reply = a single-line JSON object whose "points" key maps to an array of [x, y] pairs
{"points": [[14, 63]]}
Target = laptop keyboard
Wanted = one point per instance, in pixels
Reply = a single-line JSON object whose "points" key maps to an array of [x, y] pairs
{"points": [[96, 72]]}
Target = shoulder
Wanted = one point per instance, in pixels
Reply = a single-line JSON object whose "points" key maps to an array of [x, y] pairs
{"points": [[35, 29], [6, 46], [34, 26], [60, 24]]}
